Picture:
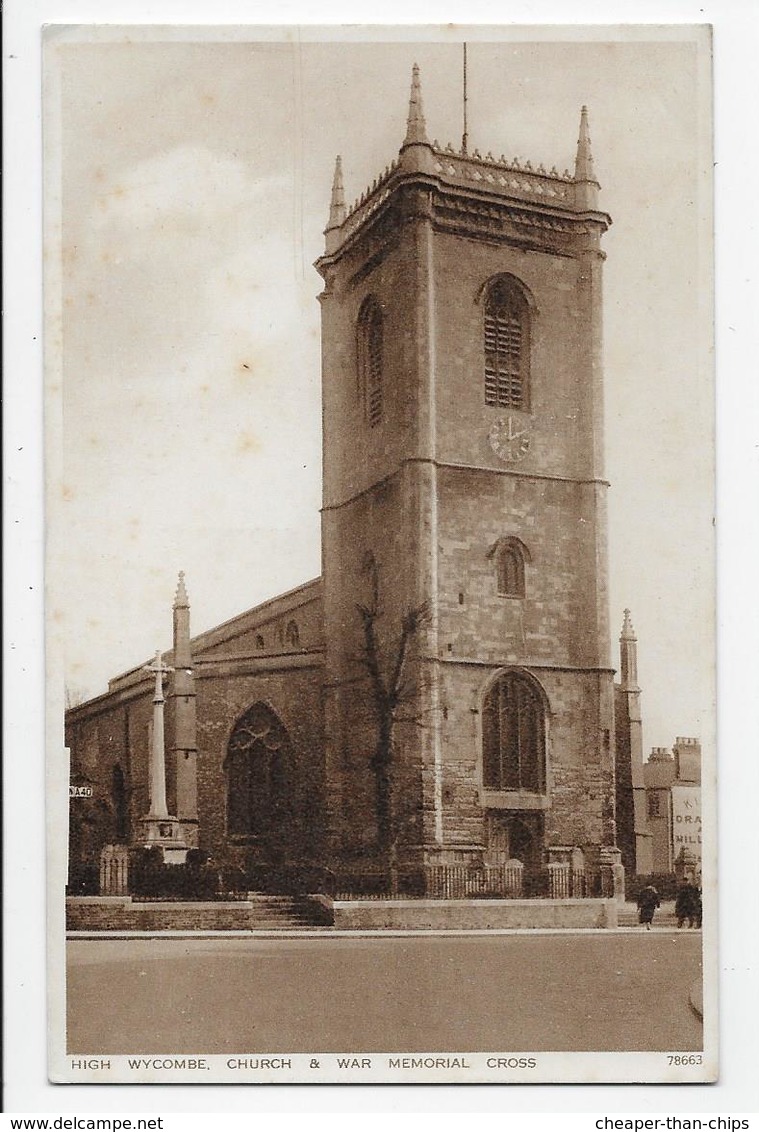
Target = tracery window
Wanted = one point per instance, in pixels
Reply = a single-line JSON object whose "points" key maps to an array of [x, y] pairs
{"points": [[370, 359], [256, 770], [507, 346], [514, 735]]}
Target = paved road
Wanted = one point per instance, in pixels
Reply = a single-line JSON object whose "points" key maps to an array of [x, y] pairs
{"points": [[511, 992]]}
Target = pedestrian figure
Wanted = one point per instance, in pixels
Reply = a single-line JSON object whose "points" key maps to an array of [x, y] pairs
{"points": [[688, 905], [648, 901], [698, 914]]}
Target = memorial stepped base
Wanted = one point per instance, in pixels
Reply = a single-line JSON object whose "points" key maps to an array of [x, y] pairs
{"points": [[257, 913]]}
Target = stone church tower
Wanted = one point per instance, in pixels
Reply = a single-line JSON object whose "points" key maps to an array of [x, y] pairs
{"points": [[464, 480], [442, 695]]}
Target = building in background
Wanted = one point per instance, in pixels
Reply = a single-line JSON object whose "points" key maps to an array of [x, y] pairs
{"points": [[672, 782]]}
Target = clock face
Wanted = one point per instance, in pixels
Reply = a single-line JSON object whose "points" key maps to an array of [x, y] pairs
{"points": [[510, 438]]}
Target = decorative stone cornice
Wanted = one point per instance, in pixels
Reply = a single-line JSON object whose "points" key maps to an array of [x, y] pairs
{"points": [[557, 201]]}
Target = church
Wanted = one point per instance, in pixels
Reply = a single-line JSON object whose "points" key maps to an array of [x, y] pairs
{"points": [[443, 695]]}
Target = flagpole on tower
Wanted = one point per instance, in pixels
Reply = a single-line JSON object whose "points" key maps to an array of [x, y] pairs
{"points": [[465, 138]]}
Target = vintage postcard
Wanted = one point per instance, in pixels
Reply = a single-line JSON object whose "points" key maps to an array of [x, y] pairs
{"points": [[380, 488]]}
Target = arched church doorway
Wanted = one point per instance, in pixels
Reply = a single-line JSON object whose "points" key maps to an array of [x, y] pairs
{"points": [[515, 837], [258, 769]]}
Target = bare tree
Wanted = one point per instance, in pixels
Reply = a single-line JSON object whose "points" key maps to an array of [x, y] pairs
{"points": [[390, 688]]}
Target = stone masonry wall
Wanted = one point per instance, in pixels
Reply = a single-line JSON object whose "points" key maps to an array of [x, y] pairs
{"points": [[113, 731], [382, 523], [579, 772], [554, 519], [296, 697], [560, 333]]}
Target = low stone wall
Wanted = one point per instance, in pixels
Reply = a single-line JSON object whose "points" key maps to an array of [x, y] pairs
{"points": [[121, 913], [117, 913], [471, 915]]}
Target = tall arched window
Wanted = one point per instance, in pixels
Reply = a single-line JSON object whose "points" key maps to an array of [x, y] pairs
{"points": [[507, 346], [514, 736], [256, 767], [510, 555], [370, 359]]}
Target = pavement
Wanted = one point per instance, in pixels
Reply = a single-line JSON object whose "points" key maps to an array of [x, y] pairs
{"points": [[408, 992], [696, 998], [326, 932]]}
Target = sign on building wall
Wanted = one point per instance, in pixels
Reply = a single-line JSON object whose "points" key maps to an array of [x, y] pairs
{"points": [[686, 820]]}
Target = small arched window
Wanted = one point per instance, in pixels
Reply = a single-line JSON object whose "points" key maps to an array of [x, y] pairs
{"points": [[259, 641], [507, 345], [292, 635], [514, 735], [370, 359], [510, 555]]}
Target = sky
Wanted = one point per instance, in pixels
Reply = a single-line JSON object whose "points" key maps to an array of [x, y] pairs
{"points": [[192, 195]]}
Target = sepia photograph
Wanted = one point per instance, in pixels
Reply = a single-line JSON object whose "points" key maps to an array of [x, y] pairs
{"points": [[380, 576]]}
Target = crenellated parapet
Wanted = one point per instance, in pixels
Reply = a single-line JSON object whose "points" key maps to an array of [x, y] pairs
{"points": [[476, 188], [512, 178], [370, 200], [522, 179]]}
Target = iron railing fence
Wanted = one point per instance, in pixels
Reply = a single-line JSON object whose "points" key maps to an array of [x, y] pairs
{"points": [[150, 879], [465, 882]]}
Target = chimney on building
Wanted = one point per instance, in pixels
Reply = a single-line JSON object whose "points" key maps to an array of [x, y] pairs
{"points": [[687, 755]]}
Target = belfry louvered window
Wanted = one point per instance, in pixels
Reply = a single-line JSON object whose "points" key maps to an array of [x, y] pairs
{"points": [[506, 346], [370, 359]]}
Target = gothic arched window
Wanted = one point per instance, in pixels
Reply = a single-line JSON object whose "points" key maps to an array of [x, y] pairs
{"points": [[514, 735], [370, 360], [507, 346], [256, 769], [510, 555]]}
